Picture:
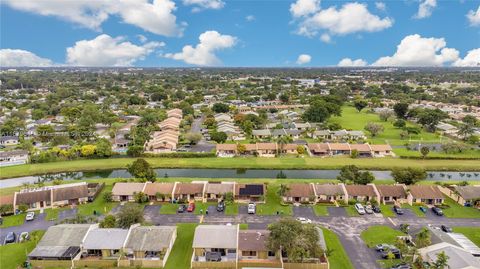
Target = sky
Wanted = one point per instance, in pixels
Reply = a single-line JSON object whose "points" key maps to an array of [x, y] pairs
{"points": [[239, 33]]}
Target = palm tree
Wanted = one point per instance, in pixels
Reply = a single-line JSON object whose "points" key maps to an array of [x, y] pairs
{"points": [[423, 238], [282, 141], [283, 190]]}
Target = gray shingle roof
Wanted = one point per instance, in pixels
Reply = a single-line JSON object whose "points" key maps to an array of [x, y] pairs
{"points": [[105, 239], [150, 238], [215, 236], [64, 235]]}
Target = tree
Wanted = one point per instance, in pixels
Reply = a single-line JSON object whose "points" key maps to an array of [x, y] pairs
{"points": [[429, 118], [348, 173], [385, 115], [103, 148], [210, 122], [108, 222], [193, 138], [360, 104], [229, 197], [301, 149], [442, 261], [364, 178], [88, 150], [283, 190], [135, 150], [423, 238], [284, 98], [45, 133], [23, 207], [374, 128], [219, 137], [354, 154], [220, 108], [408, 175], [299, 241], [400, 123], [317, 112], [5, 209], [141, 169], [241, 148], [129, 214], [107, 196], [424, 151], [140, 197], [401, 110]]}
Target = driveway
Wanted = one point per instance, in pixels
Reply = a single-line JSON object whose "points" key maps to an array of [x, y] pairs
{"points": [[303, 211], [336, 211], [202, 145], [39, 223], [151, 211]]}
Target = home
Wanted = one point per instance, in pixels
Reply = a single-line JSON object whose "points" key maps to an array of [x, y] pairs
{"points": [[218, 190], [382, 150], [322, 134], [362, 193], [104, 243], [253, 251], [222, 117], [330, 193], [261, 134], [458, 258], [148, 246], [159, 191], [8, 140], [213, 241], [266, 149], [446, 128], [14, 157], [249, 192], [319, 149], [364, 150], [189, 191], [339, 148], [70, 194], [125, 192], [344, 135], [430, 195], [392, 194], [175, 113], [299, 193], [288, 148], [464, 195], [226, 150], [302, 126]]}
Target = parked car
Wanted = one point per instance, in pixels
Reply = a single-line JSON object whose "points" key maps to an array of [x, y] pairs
{"points": [[191, 207], [383, 247], [398, 210], [25, 236], [30, 216], [360, 209], [438, 211], [446, 229], [401, 266], [181, 208], [423, 209], [304, 220], [11, 237], [213, 257], [251, 208], [369, 209], [376, 209], [220, 207]]}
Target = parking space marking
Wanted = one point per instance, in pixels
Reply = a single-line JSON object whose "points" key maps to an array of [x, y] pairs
{"points": [[391, 220]]}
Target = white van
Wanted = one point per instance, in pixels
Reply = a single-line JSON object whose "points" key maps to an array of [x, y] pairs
{"points": [[251, 208], [360, 209]]}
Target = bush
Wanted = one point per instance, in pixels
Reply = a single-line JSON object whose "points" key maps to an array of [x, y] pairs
{"points": [[107, 197]]}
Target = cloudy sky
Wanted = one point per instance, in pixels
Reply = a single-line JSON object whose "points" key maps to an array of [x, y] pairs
{"points": [[239, 33]]}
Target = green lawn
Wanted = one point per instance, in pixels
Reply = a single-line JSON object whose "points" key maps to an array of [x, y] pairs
{"points": [[337, 256], [474, 154], [13, 220], [202, 207], [231, 209], [182, 249], [415, 209], [387, 210], [98, 205], [273, 203], [458, 211], [351, 211], [243, 226], [321, 209], [13, 255], [52, 213], [473, 233], [169, 209], [379, 234], [389, 263]]}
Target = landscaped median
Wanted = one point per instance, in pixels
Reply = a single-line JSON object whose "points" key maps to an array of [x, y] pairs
{"points": [[337, 256], [473, 233]]}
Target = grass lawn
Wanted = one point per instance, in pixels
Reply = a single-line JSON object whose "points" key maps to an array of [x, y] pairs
{"points": [[13, 255], [203, 207], [337, 256], [244, 163], [458, 211], [351, 211], [321, 209], [98, 205], [465, 154], [389, 263], [13, 220], [473, 233], [243, 226], [415, 209], [182, 249], [52, 213], [387, 210], [273, 203], [169, 209], [231, 209], [379, 234]]}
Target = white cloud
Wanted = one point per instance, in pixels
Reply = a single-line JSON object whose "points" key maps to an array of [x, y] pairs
{"points": [[474, 17], [347, 62], [326, 38], [204, 52], [19, 58], [471, 59], [415, 50], [200, 5], [350, 18], [107, 51], [154, 16], [304, 7], [425, 9], [380, 6], [250, 18], [304, 59]]}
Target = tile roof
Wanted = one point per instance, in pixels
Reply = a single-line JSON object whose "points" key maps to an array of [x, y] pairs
{"points": [[33, 197], [105, 238], [219, 188], [360, 190], [189, 188], [329, 189], [425, 192], [73, 192], [468, 192], [391, 190], [300, 190]]}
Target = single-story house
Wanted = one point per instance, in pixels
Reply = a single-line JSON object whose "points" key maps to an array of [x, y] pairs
{"points": [[125, 191], [330, 192], [104, 243], [464, 195], [189, 191], [364, 150], [339, 148], [322, 134], [392, 193], [70, 195], [217, 191], [159, 191], [362, 193], [458, 258], [226, 150], [430, 195], [299, 193], [253, 250], [267, 149], [9, 140], [249, 192], [319, 149], [382, 150], [13, 157], [261, 134], [288, 148], [210, 239]]}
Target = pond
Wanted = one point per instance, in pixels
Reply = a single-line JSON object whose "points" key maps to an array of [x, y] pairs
{"points": [[227, 173]]}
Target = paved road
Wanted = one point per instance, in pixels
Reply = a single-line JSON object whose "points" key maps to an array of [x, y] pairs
{"points": [[203, 145]]}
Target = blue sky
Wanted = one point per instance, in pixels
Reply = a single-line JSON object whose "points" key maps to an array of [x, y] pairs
{"points": [[40, 34]]}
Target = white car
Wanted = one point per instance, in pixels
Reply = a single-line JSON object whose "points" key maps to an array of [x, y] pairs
{"points": [[304, 220], [360, 209], [30, 216], [251, 208]]}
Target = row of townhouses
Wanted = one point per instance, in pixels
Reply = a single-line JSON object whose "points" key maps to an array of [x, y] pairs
{"points": [[166, 139]]}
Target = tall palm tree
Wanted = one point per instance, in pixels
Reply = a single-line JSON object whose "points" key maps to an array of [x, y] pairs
{"points": [[282, 141]]}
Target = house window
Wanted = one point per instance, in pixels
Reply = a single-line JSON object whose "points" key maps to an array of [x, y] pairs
{"points": [[271, 254], [249, 253]]}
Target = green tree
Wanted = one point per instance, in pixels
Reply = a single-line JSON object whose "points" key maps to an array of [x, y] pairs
{"points": [[429, 118], [135, 151], [301, 149], [220, 108], [284, 98], [318, 111], [88, 150], [374, 128], [193, 138], [384, 115], [364, 178], [408, 175], [140, 197], [354, 154], [360, 104], [108, 222], [45, 133], [241, 148], [401, 110], [400, 123], [441, 262], [107, 196], [141, 169], [423, 238], [103, 148], [129, 214], [424, 151], [219, 137], [283, 189], [348, 173]]}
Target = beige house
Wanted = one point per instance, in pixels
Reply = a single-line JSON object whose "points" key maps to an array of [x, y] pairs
{"points": [[362, 193], [330, 193], [189, 191], [245, 193], [212, 240], [429, 195], [392, 194], [253, 252], [299, 193], [464, 195], [125, 191], [217, 191], [159, 191]]}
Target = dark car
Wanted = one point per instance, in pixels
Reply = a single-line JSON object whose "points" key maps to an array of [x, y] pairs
{"points": [[376, 209], [220, 207], [398, 210], [10, 238], [213, 257], [438, 211], [182, 208], [446, 229]]}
